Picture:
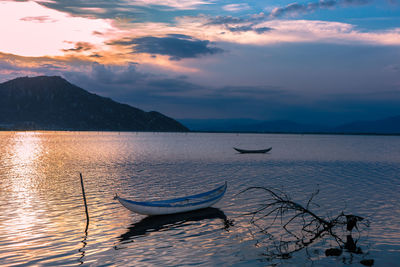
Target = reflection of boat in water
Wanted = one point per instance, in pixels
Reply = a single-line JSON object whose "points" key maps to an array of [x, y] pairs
{"points": [[257, 151], [164, 222], [175, 205]]}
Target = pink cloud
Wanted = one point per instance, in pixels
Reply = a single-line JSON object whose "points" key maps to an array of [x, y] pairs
{"points": [[27, 37]]}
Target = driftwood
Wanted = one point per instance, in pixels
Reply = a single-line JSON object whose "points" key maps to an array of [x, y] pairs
{"points": [[288, 227]]}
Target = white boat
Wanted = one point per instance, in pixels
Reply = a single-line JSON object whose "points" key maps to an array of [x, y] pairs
{"points": [[175, 205]]}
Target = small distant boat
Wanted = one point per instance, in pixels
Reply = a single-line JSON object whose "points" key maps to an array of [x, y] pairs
{"points": [[175, 205], [247, 151]]}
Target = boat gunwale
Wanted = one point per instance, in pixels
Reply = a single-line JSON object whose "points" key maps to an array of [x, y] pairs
{"points": [[170, 202]]}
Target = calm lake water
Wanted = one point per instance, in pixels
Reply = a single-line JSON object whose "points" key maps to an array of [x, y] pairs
{"points": [[42, 219]]}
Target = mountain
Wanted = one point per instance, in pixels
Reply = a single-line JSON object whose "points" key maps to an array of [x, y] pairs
{"points": [[286, 126], [250, 125], [218, 125], [390, 125], [52, 103]]}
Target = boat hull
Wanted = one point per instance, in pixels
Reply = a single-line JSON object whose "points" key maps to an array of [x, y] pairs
{"points": [[246, 151], [177, 205]]}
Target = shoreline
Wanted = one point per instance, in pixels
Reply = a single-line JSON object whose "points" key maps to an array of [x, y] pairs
{"points": [[214, 132]]}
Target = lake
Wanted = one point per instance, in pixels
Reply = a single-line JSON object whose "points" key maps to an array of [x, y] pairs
{"points": [[42, 218]]}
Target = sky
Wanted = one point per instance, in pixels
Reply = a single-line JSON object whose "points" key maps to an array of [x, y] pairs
{"points": [[326, 61]]}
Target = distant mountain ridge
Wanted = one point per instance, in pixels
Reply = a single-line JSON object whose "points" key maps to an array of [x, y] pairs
{"points": [[249, 125], [390, 125], [52, 103]]}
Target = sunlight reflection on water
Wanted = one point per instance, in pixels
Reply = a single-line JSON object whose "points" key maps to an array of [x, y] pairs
{"points": [[42, 217]]}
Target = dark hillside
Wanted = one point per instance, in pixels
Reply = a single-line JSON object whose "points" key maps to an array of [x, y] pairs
{"points": [[52, 103]]}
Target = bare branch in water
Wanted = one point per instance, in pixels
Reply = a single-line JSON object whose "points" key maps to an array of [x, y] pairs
{"points": [[301, 226]]}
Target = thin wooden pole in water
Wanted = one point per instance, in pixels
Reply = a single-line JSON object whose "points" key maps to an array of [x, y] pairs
{"points": [[84, 201]]}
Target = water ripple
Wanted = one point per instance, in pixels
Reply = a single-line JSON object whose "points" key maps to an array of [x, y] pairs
{"points": [[42, 219]]}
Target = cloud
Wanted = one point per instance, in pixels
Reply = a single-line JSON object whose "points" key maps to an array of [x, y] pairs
{"points": [[175, 46], [80, 47], [235, 24], [252, 92], [173, 86], [95, 55], [172, 95], [174, 4], [248, 28], [109, 80], [266, 31], [262, 30], [236, 7], [240, 28], [109, 74], [177, 97], [356, 2], [46, 33], [134, 10], [296, 8], [395, 68], [221, 20], [12, 66], [288, 10], [39, 19], [137, 41]]}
